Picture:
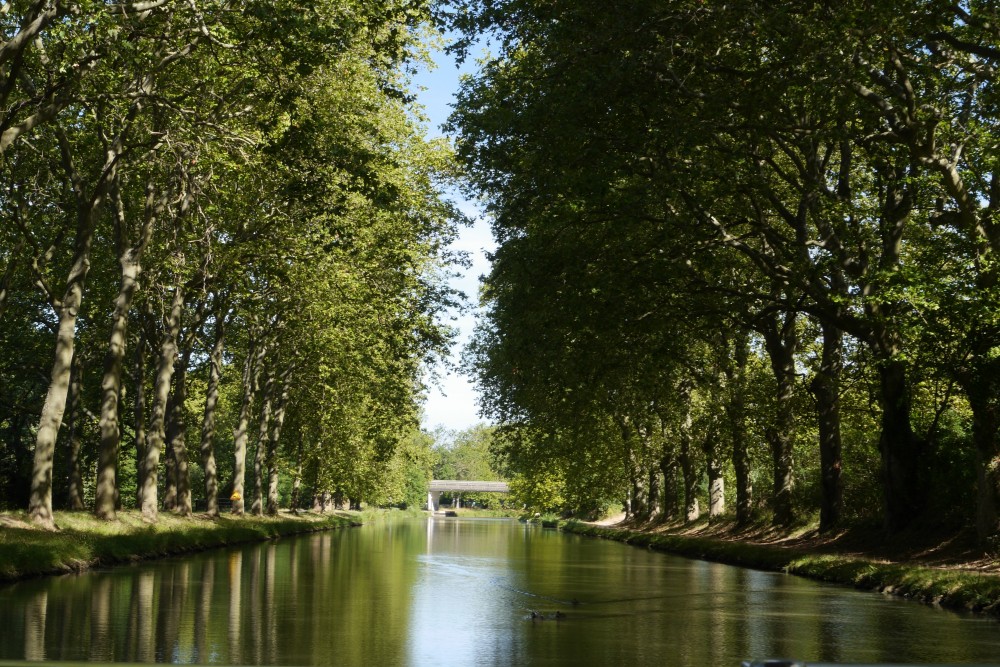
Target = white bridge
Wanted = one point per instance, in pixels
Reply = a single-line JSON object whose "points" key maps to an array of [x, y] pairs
{"points": [[439, 486]]}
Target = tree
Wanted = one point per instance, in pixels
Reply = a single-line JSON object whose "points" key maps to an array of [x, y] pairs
{"points": [[720, 156], [245, 187]]}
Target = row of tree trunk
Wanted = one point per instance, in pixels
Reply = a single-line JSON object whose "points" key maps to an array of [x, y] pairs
{"points": [[677, 473], [160, 431]]}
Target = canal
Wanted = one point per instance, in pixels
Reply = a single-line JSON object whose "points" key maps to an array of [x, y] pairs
{"points": [[467, 592]]}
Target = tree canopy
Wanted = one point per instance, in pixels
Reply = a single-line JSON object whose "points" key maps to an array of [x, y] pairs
{"points": [[227, 221], [741, 244]]}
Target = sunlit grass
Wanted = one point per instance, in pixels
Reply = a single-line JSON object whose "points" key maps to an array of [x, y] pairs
{"points": [[370, 515]]}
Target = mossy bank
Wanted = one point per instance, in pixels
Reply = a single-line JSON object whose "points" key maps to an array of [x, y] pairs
{"points": [[83, 541], [953, 588]]}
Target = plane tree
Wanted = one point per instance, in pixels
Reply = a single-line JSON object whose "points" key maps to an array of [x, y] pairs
{"points": [[246, 186], [715, 130]]}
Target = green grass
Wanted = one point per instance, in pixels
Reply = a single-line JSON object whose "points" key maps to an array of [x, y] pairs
{"points": [[376, 514], [547, 520], [956, 589], [83, 541], [951, 588]]}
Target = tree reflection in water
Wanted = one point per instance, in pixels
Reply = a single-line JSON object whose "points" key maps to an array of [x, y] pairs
{"points": [[446, 591]]}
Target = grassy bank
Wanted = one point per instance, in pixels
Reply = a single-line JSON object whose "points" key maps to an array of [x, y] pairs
{"points": [[547, 520], [84, 541], [951, 587]]}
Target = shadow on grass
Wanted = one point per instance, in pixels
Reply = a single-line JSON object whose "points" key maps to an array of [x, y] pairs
{"points": [[951, 588]]}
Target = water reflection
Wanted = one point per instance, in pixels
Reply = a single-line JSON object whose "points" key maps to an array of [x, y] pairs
{"points": [[34, 626], [460, 611], [460, 592], [235, 606]]}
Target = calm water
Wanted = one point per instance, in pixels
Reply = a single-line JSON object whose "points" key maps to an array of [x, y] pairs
{"points": [[461, 592]]}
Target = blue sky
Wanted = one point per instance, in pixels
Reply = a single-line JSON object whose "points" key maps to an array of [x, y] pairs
{"points": [[452, 404]]}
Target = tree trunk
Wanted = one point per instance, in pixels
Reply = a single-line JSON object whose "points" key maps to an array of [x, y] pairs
{"points": [[169, 502], [901, 450], [981, 383], [177, 496], [75, 478], [271, 509], [297, 479], [692, 511], [826, 388], [716, 483], [130, 260], [208, 420], [251, 371], [139, 423], [655, 493], [985, 425], [637, 508], [177, 435], [713, 465], [161, 391], [736, 412], [272, 447], [320, 500], [639, 501], [257, 508], [781, 342], [87, 204], [40, 503], [668, 468], [107, 462]]}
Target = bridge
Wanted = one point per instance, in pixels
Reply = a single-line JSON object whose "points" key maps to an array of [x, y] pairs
{"points": [[439, 486]]}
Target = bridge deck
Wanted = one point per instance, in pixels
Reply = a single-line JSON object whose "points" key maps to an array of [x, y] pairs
{"points": [[469, 486]]}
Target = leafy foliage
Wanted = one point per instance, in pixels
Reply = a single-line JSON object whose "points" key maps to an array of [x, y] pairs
{"points": [[200, 189], [740, 235]]}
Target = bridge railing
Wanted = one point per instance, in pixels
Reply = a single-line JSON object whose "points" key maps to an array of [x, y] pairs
{"points": [[468, 486]]}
